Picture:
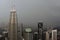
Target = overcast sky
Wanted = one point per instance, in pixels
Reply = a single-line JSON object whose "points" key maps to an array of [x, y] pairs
{"points": [[32, 11]]}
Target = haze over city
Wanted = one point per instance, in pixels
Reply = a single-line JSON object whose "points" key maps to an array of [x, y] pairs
{"points": [[30, 12], [29, 19]]}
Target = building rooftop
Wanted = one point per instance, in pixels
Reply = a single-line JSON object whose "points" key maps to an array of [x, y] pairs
{"points": [[58, 28]]}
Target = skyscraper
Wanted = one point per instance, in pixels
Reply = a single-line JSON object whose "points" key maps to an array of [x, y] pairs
{"points": [[13, 24], [54, 34], [47, 35], [40, 30], [27, 35], [21, 29]]}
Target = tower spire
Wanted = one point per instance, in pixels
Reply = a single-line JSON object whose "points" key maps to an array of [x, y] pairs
{"points": [[13, 9], [13, 5]]}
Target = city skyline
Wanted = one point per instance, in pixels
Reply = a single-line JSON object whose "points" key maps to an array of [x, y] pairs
{"points": [[32, 11], [29, 20]]}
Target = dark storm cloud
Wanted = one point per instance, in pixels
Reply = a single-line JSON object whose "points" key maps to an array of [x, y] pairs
{"points": [[32, 11]]}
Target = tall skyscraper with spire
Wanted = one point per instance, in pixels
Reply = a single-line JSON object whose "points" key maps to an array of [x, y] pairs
{"points": [[13, 24]]}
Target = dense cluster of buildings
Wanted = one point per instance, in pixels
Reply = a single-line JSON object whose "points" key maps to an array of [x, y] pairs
{"points": [[27, 33]]}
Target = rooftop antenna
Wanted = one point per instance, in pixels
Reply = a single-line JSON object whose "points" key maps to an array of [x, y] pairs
{"points": [[13, 5]]}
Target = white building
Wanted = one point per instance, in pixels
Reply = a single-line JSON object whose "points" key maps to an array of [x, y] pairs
{"points": [[54, 34]]}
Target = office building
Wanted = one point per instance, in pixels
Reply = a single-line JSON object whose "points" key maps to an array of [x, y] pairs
{"points": [[2, 37], [58, 31], [13, 24], [5, 35], [27, 34], [47, 35], [35, 36], [40, 30], [54, 34]]}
